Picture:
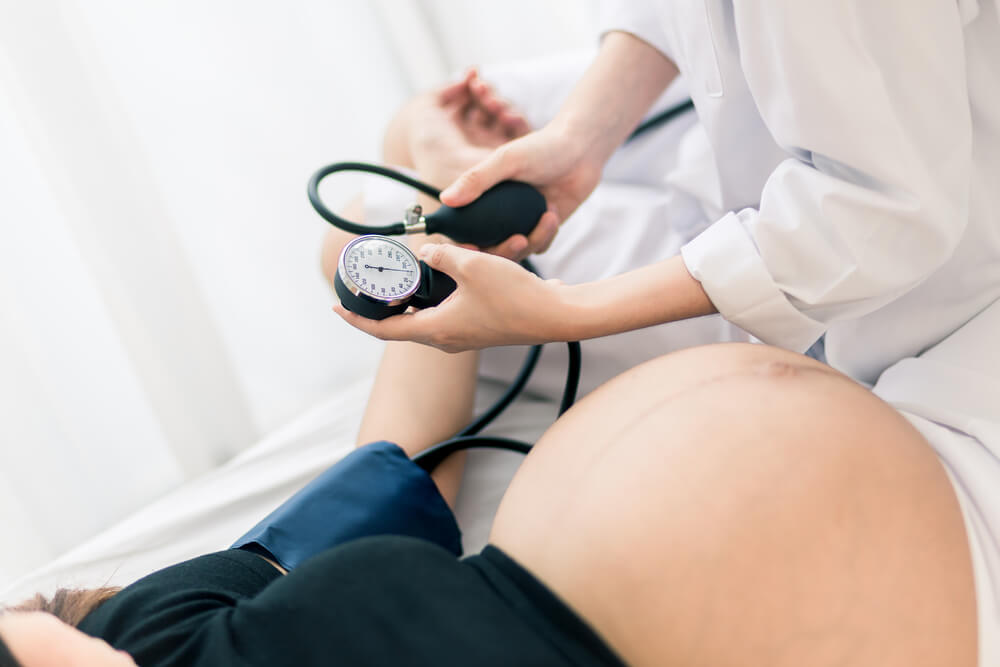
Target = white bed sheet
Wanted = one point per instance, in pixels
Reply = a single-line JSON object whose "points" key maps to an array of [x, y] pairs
{"points": [[209, 513]]}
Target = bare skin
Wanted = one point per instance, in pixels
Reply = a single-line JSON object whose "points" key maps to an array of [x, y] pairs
{"points": [[40, 640], [731, 504], [719, 506], [422, 396], [529, 310], [565, 160], [724, 506], [739, 504]]}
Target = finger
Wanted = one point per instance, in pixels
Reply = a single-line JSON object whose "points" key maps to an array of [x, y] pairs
{"points": [[478, 117], [397, 327], [452, 93], [479, 88], [485, 95], [456, 111], [447, 258], [514, 124], [415, 241], [490, 101], [364, 324], [477, 180], [513, 248], [544, 233], [457, 90]]}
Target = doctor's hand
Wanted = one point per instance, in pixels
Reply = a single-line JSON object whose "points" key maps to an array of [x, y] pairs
{"points": [[551, 160], [497, 302], [565, 158]]}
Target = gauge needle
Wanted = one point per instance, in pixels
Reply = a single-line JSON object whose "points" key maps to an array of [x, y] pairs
{"points": [[385, 268]]}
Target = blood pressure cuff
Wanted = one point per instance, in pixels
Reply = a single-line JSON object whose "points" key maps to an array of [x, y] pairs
{"points": [[374, 490]]}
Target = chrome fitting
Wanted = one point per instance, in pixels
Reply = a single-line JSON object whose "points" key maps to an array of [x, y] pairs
{"points": [[414, 221]]}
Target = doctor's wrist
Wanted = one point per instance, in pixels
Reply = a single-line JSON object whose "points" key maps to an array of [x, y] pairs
{"points": [[582, 140], [654, 294], [569, 315]]}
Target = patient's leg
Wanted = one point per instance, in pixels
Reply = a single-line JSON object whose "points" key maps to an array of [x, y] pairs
{"points": [[735, 505]]}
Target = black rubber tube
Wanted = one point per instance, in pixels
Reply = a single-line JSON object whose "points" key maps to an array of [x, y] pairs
{"points": [[395, 229], [661, 118], [572, 376], [430, 458], [504, 401]]}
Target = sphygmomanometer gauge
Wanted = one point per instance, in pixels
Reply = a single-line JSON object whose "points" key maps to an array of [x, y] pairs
{"points": [[378, 276]]}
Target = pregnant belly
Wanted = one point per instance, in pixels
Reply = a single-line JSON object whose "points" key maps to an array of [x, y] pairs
{"points": [[671, 467]]}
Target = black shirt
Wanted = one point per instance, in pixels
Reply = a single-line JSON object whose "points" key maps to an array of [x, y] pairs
{"points": [[374, 601]]}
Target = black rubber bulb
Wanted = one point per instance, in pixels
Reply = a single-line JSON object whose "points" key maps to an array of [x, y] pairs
{"points": [[506, 209]]}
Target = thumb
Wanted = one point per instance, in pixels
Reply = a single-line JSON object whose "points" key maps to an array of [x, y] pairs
{"points": [[476, 180], [447, 258]]}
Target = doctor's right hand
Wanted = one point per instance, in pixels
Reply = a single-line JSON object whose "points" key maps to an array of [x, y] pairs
{"points": [[565, 158], [549, 159], [478, 314]]}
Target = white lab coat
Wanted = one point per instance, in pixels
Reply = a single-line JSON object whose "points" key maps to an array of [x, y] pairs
{"points": [[857, 146]]}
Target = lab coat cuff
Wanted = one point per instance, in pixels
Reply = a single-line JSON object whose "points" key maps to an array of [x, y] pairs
{"points": [[725, 260], [641, 19]]}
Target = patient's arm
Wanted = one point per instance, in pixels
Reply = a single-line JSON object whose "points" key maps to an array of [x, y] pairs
{"points": [[442, 132], [422, 396]]}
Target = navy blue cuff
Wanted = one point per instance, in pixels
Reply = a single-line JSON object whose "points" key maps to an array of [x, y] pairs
{"points": [[374, 490]]}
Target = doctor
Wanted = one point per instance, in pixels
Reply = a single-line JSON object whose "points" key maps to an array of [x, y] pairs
{"points": [[857, 147]]}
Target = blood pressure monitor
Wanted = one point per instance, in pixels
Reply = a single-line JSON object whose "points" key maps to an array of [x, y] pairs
{"points": [[378, 277]]}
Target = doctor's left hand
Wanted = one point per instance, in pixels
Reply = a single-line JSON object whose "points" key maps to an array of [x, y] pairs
{"points": [[497, 302]]}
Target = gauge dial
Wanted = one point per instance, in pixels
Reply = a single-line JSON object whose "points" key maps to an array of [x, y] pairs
{"points": [[379, 267]]}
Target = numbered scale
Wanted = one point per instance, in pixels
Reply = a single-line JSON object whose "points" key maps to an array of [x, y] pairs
{"points": [[378, 277]]}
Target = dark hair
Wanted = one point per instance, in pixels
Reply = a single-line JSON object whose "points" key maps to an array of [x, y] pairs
{"points": [[69, 605]]}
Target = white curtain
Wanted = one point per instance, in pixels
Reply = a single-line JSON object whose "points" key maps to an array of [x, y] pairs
{"points": [[161, 306]]}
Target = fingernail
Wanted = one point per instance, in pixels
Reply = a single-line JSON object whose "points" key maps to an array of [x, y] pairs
{"points": [[426, 250]]}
